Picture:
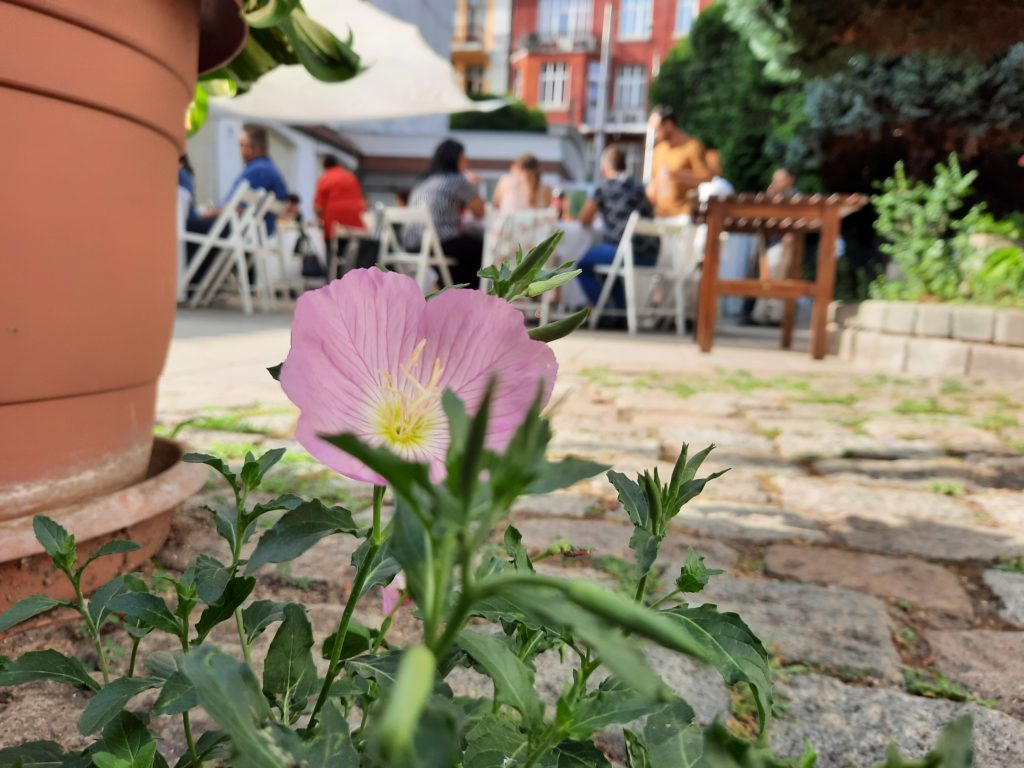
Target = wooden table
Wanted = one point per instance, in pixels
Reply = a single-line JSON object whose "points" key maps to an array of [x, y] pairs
{"points": [[775, 216]]}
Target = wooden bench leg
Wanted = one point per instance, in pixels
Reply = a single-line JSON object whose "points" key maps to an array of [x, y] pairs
{"points": [[707, 304], [824, 284]]}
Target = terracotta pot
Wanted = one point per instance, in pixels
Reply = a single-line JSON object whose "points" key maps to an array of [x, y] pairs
{"points": [[141, 512], [93, 95]]}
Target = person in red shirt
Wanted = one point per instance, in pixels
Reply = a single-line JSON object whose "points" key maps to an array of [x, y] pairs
{"points": [[339, 198]]}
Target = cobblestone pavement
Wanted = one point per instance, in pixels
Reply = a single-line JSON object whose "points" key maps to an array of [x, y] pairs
{"points": [[871, 526]]}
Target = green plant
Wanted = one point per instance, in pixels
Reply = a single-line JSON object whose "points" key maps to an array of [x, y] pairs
{"points": [[515, 116], [1010, 564], [948, 487], [997, 421], [927, 231], [928, 406], [931, 683]]}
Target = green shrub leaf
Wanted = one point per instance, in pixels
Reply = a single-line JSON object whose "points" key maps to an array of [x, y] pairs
{"points": [[513, 680], [299, 529], [31, 606], [46, 665], [112, 698]]}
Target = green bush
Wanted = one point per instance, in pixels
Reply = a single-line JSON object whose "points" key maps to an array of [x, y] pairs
{"points": [[514, 117]]}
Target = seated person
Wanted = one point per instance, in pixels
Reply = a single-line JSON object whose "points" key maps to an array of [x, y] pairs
{"points": [[521, 189], [339, 205], [615, 198], [446, 191], [292, 213]]}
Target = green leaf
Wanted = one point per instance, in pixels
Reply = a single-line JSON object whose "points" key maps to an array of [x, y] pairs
{"points": [[729, 645], [694, 576], [576, 754], [254, 470], [382, 668], [31, 606], [289, 671], [211, 745], [211, 577], [259, 615], [953, 749], [513, 680], [228, 690], [646, 546], [559, 328], [269, 13], [555, 475], [672, 738], [358, 639], [636, 750], [332, 748], [723, 750], [513, 542], [58, 543], [299, 529], [494, 742], [115, 547], [236, 592], [99, 603], [411, 547], [382, 570], [33, 754], [45, 665], [275, 371], [217, 464], [613, 702], [149, 610], [538, 287], [176, 696], [111, 699], [632, 498]]}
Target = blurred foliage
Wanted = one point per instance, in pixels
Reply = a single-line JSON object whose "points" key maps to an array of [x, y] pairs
{"points": [[516, 116]]}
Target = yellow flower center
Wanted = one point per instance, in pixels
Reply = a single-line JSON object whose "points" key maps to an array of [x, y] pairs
{"points": [[407, 417]]}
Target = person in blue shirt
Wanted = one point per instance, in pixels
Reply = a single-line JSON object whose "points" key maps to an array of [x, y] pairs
{"points": [[259, 171], [187, 181]]}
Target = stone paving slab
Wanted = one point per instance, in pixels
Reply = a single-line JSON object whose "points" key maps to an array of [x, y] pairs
{"points": [[1009, 588], [726, 441], [986, 662], [756, 523], [851, 726], [926, 586], [813, 625]]}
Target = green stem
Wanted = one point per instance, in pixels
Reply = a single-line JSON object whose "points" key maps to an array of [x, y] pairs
{"points": [[641, 588], [663, 598], [333, 667], [133, 657], [553, 734], [240, 625], [94, 631], [187, 725]]}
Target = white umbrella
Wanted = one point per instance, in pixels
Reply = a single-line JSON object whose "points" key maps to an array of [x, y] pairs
{"points": [[404, 77]]}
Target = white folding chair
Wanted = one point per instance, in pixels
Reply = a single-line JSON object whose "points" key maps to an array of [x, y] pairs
{"points": [[184, 203], [392, 253], [676, 263], [505, 233], [234, 259], [341, 260], [222, 235]]}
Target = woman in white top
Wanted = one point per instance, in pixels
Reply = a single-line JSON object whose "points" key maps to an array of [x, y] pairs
{"points": [[521, 188]]}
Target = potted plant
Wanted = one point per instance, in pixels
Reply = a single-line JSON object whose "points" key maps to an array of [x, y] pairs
{"points": [[96, 96]]}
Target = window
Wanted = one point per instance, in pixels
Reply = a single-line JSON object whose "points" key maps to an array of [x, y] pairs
{"points": [[563, 18], [476, 13], [554, 84], [630, 83], [593, 90], [686, 14], [635, 19], [473, 75]]}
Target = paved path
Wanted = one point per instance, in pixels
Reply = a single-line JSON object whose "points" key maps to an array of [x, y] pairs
{"points": [[871, 526]]}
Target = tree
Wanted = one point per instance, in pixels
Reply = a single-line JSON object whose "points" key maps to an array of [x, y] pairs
{"points": [[722, 95], [516, 116], [817, 37]]}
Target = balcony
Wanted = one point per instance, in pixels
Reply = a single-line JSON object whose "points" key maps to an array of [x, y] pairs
{"points": [[570, 42]]}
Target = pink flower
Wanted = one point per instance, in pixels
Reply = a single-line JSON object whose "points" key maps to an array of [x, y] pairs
{"points": [[371, 356], [390, 594]]}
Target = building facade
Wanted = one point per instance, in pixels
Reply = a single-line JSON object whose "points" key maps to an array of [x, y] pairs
{"points": [[481, 44], [555, 62]]}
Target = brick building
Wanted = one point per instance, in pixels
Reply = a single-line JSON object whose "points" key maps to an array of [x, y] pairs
{"points": [[555, 60]]}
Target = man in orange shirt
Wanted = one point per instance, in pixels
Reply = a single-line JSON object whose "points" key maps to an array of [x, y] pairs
{"points": [[677, 165]]}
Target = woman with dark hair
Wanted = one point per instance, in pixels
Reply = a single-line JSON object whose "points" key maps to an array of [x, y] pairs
{"points": [[446, 192]]}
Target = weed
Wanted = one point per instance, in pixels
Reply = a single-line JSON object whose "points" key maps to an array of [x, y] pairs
{"points": [[952, 387], [930, 405], [750, 563], [771, 432], [948, 487], [744, 381], [883, 380], [625, 573], [996, 421], [854, 423], [907, 637], [903, 604], [235, 451], [597, 375], [825, 398], [1011, 564], [284, 574], [931, 683], [1016, 445], [681, 388]]}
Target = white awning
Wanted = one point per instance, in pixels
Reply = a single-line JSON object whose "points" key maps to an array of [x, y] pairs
{"points": [[404, 77]]}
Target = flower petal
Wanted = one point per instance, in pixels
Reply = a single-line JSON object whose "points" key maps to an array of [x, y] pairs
{"points": [[345, 337]]}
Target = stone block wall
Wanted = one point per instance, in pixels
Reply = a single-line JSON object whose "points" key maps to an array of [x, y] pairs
{"points": [[930, 339]]}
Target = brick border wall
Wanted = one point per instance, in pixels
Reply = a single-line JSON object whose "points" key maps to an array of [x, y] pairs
{"points": [[930, 339]]}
